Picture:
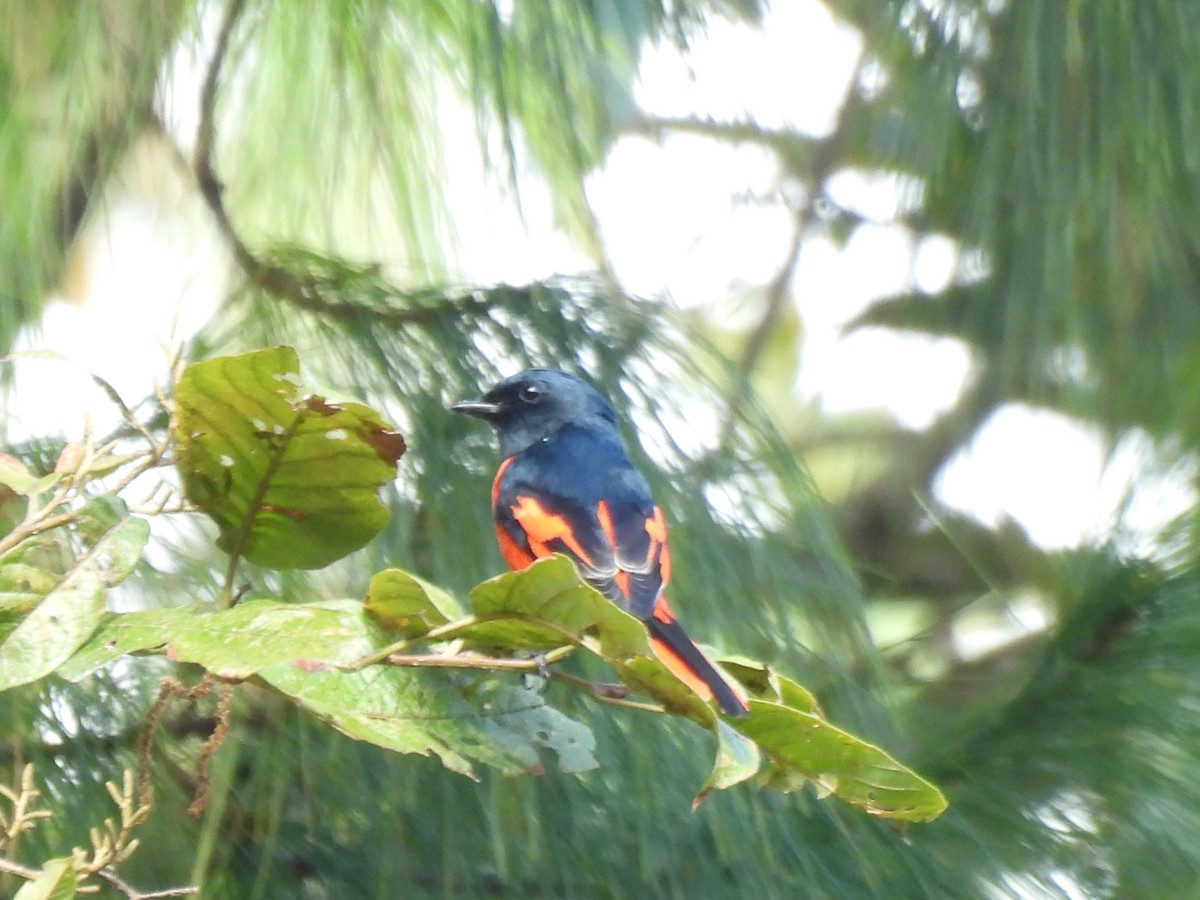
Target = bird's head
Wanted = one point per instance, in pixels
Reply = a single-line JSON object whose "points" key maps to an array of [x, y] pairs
{"points": [[531, 405]]}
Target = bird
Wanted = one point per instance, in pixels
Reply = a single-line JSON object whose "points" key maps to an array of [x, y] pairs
{"points": [[566, 485]]}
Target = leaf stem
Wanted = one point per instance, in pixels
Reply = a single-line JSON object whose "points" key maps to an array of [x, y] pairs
{"points": [[612, 694], [474, 661]]}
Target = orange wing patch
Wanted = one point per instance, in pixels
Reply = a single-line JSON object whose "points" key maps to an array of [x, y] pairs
{"points": [[542, 527], [656, 527], [514, 554]]}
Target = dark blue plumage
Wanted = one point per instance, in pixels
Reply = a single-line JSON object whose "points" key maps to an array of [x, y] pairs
{"points": [[566, 485]]}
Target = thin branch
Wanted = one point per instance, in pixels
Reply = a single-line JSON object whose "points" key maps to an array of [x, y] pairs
{"points": [[809, 159], [612, 694], [476, 661], [305, 292], [777, 296], [449, 629], [8, 867], [30, 529], [134, 894]]}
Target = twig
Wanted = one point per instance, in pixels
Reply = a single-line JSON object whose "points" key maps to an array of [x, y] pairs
{"points": [[307, 293], [30, 529], [812, 160], [126, 413], [134, 894], [442, 632], [777, 297], [612, 694], [11, 868], [203, 778], [475, 661]]}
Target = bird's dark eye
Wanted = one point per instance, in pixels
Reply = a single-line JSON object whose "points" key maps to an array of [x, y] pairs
{"points": [[531, 393]]}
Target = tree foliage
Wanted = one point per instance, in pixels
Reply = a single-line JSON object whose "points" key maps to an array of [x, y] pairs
{"points": [[1052, 142]]}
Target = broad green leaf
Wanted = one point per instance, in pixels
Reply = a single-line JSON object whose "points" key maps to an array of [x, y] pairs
{"points": [[737, 760], [795, 695], [291, 480], [123, 633], [529, 720], [547, 605], [556, 606], [803, 744], [649, 676], [23, 584], [765, 683], [407, 604], [57, 882], [238, 642], [67, 614], [410, 712]]}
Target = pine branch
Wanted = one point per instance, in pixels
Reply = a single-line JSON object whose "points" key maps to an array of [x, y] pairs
{"points": [[310, 293]]}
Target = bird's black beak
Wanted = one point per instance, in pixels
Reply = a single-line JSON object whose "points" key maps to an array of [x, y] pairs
{"points": [[480, 409]]}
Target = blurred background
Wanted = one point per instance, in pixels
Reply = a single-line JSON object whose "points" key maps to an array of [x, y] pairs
{"points": [[900, 299]]}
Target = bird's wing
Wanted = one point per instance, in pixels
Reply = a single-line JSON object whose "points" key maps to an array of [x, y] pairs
{"points": [[619, 544]]}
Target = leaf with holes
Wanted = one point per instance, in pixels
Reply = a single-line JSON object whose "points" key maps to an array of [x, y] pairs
{"points": [[419, 712], [291, 480]]}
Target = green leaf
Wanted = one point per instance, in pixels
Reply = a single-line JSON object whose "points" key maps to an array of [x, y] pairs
{"points": [[803, 744], [651, 677], [529, 720], [236, 643], [71, 609], [765, 683], [56, 882], [407, 604], [15, 475], [409, 712], [291, 480], [737, 760], [123, 633], [547, 605], [23, 584]]}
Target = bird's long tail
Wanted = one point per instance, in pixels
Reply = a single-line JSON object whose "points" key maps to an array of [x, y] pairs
{"points": [[677, 652]]}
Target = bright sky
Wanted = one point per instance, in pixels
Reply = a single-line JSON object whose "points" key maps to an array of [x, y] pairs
{"points": [[686, 218]]}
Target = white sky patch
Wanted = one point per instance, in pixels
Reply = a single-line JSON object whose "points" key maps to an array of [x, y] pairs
{"points": [[792, 73], [934, 263], [1051, 474], [681, 217], [978, 632], [499, 241], [150, 276], [914, 377], [877, 196]]}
